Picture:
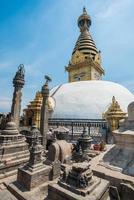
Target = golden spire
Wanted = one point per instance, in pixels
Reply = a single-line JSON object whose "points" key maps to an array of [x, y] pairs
{"points": [[85, 63]]}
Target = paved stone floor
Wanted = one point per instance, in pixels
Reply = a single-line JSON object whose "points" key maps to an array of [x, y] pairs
{"points": [[39, 194], [107, 173]]}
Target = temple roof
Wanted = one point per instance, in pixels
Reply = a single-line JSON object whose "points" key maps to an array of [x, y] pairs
{"points": [[85, 43]]}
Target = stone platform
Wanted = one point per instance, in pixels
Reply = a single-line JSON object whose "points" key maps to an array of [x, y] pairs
{"points": [[56, 192], [121, 156], [31, 179], [78, 183], [13, 150], [111, 174], [38, 193]]}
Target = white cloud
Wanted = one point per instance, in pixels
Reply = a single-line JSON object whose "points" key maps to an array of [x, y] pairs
{"points": [[112, 8], [5, 104], [129, 84]]}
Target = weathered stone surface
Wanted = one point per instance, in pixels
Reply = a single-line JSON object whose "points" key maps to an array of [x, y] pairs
{"points": [[30, 134], [114, 194], [56, 192], [85, 141], [131, 112], [116, 178], [56, 170], [44, 112], [77, 182], [13, 150], [18, 83], [127, 191], [31, 179], [34, 173], [38, 193], [6, 195]]}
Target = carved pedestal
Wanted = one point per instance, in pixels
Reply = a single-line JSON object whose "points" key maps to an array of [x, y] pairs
{"points": [[77, 183]]}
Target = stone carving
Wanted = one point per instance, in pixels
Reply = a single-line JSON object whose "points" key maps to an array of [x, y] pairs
{"points": [[60, 150], [80, 175], [35, 152], [77, 182], [31, 134]]}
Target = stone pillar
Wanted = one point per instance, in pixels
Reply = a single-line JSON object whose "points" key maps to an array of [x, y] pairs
{"points": [[18, 83], [44, 111]]}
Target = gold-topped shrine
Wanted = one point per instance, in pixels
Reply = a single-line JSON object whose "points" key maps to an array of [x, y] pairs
{"points": [[33, 111], [114, 114]]}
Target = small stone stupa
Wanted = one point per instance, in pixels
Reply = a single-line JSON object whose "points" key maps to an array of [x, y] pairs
{"points": [[121, 156], [78, 183], [85, 141], [34, 173], [13, 149]]}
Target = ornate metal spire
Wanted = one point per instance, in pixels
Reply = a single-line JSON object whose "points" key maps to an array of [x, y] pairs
{"points": [[85, 55], [84, 21], [85, 43]]}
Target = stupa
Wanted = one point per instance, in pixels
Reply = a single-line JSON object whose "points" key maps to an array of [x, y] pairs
{"points": [[13, 150]]}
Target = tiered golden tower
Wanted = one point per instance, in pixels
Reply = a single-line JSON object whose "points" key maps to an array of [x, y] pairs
{"points": [[114, 114], [85, 63], [32, 112]]}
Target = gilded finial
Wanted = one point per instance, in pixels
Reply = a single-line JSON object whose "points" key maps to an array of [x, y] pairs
{"points": [[84, 21], [113, 99], [84, 10]]}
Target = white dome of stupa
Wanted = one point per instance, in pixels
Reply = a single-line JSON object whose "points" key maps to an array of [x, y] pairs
{"points": [[88, 99]]}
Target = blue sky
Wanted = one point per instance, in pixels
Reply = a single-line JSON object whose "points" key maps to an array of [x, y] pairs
{"points": [[41, 34]]}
